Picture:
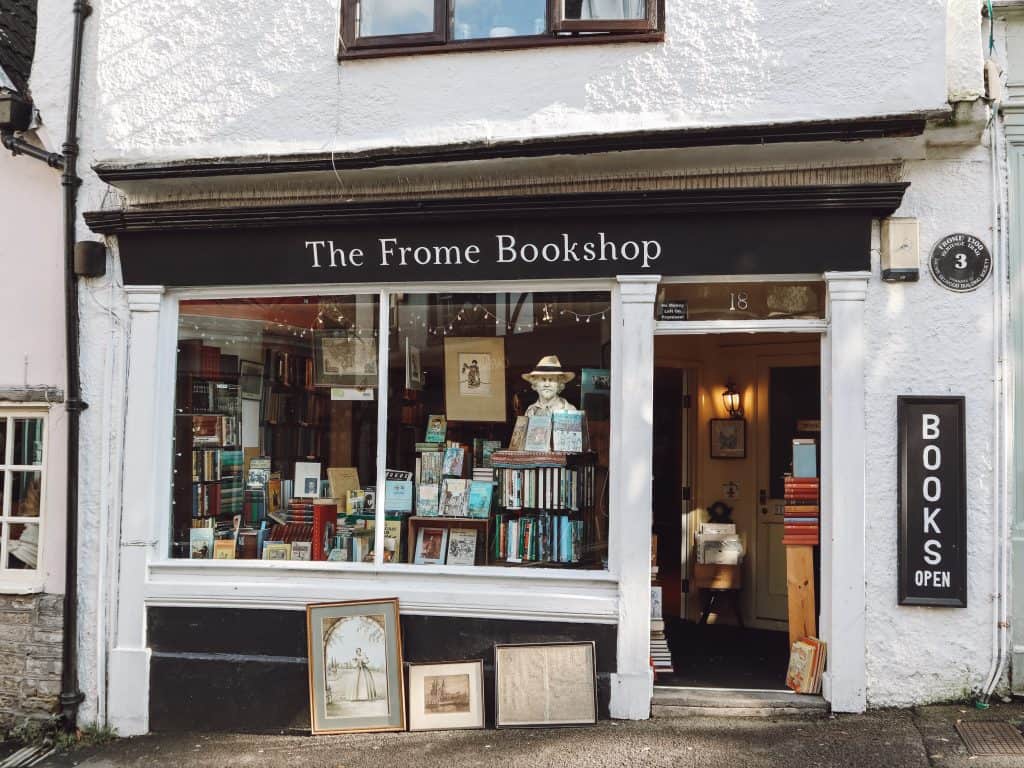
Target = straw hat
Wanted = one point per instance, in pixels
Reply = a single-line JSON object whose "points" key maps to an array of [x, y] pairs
{"points": [[549, 367]]}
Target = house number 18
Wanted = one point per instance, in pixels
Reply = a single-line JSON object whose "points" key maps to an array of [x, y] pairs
{"points": [[739, 300]]}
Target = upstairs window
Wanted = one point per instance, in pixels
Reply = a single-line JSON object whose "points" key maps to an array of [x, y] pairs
{"points": [[388, 27]]}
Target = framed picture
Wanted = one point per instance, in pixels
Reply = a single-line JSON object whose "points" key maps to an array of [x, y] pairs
{"points": [[343, 359], [446, 696], [355, 667], [431, 546], [728, 439], [413, 367], [250, 381], [474, 379], [545, 684]]}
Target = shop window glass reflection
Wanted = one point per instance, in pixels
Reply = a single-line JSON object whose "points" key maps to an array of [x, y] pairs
{"points": [[276, 428], [498, 424]]}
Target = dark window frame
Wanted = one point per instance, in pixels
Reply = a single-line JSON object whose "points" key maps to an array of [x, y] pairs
{"points": [[559, 32]]}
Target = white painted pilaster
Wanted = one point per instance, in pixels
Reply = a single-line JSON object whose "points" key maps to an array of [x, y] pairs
{"points": [[843, 571], [128, 670], [629, 539]]}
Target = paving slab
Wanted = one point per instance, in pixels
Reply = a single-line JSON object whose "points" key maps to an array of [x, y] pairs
{"points": [[922, 737]]}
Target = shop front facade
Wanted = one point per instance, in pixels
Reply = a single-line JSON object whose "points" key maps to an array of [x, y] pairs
{"points": [[314, 311]]}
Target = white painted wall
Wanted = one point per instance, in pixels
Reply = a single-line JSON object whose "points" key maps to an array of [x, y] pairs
{"points": [[182, 79], [32, 312], [925, 340]]}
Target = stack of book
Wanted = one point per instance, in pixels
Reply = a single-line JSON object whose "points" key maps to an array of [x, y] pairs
{"points": [[801, 524], [806, 665], [536, 539], [661, 657]]}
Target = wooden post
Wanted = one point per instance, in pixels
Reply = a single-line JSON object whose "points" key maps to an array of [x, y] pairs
{"points": [[800, 586]]}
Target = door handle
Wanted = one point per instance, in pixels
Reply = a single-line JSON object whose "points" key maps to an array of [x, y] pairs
{"points": [[762, 498]]}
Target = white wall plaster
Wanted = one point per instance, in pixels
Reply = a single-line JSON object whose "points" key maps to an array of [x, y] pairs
{"points": [[965, 79], [184, 79], [925, 340]]}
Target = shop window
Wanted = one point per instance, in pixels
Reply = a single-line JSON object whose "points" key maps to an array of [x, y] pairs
{"points": [[496, 443], [276, 417], [21, 483], [498, 427], [380, 27]]}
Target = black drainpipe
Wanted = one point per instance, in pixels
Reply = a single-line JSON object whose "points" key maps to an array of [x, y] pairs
{"points": [[70, 695]]}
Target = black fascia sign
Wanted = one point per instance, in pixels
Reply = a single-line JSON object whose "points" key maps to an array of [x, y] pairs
{"points": [[932, 547]]}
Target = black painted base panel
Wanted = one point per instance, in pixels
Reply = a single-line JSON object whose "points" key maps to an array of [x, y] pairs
{"points": [[246, 670]]}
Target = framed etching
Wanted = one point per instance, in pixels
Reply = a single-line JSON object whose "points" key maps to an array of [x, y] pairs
{"points": [[474, 379], [344, 359], [728, 439], [250, 380], [355, 667], [446, 696], [545, 684]]}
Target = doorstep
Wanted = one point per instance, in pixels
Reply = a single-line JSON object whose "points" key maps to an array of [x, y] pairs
{"points": [[671, 701]]}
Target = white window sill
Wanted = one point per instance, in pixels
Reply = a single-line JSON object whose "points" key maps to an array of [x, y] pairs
{"points": [[32, 586]]}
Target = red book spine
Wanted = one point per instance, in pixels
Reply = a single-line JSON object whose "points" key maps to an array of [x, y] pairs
{"points": [[796, 541], [324, 515]]}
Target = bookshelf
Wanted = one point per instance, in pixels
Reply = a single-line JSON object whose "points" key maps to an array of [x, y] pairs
{"points": [[294, 414], [544, 509]]}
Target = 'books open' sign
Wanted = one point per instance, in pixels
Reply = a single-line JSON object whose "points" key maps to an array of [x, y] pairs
{"points": [[933, 503]]}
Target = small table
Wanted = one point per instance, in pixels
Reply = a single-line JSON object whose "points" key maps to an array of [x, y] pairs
{"points": [[718, 582]]}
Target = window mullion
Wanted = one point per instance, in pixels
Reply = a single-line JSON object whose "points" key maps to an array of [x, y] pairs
{"points": [[383, 337]]}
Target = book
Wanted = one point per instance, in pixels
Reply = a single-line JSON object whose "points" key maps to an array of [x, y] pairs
{"points": [[277, 550], [431, 468], [392, 539], [567, 431], [454, 459], [461, 547], [806, 664], [302, 550], [426, 499], [224, 549], [398, 496], [454, 497], [355, 503], [325, 521], [538, 434], [479, 504], [342, 480], [437, 426], [428, 447], [518, 439]]}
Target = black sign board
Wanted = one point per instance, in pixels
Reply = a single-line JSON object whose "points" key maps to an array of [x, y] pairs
{"points": [[390, 249], [932, 553], [672, 310], [960, 262]]}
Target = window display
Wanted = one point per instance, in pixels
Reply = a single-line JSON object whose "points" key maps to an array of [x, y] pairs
{"points": [[506, 468], [495, 451], [276, 428]]}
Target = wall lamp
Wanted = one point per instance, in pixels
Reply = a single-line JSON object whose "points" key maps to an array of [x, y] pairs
{"points": [[731, 400]]}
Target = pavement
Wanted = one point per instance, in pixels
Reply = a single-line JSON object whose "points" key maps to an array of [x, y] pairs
{"points": [[923, 736]]}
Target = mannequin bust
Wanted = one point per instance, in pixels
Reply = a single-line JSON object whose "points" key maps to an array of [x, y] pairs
{"points": [[548, 380]]}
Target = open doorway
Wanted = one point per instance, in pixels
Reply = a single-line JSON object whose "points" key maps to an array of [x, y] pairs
{"points": [[719, 503]]}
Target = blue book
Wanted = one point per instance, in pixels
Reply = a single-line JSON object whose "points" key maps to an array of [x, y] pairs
{"points": [[398, 496], [480, 498]]}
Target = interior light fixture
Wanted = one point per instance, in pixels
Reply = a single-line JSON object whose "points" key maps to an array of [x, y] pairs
{"points": [[731, 400]]}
